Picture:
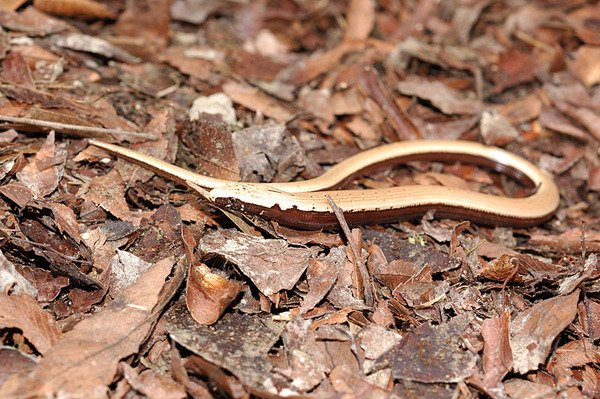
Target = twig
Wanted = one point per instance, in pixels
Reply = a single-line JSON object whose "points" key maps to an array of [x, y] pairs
{"points": [[74, 129], [363, 282]]}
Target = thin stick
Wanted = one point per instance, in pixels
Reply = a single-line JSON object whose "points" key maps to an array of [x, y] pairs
{"points": [[68, 128], [363, 279]]}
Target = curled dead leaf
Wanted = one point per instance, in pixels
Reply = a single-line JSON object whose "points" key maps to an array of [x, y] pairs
{"points": [[208, 294], [75, 8], [500, 269]]}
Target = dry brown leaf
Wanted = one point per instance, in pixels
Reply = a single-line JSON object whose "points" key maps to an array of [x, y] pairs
{"points": [[500, 269], [271, 264], [583, 20], [75, 8], [108, 192], [194, 11], [125, 270], [153, 385], [48, 285], [13, 362], [376, 340], [181, 59], [318, 103], [42, 174], [148, 20], [497, 354], [208, 294], [586, 65], [212, 148], [268, 153], [448, 100], [589, 317], [320, 277], [257, 101], [432, 354], [527, 390], [66, 221], [567, 242], [320, 63], [572, 355], [360, 19], [533, 330], [12, 281], [496, 130], [16, 71], [95, 45], [84, 361], [23, 312], [353, 383], [238, 343], [513, 67]]}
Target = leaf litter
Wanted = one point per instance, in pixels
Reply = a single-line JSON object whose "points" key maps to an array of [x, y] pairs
{"points": [[95, 250]]}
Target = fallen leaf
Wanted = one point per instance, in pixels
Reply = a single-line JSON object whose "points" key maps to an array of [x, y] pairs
{"points": [[238, 343], [320, 277], [319, 63], [589, 317], [376, 340], [42, 174], [159, 236], [533, 330], [215, 104], [108, 192], [23, 312], [48, 285], [257, 101], [83, 362], [66, 221], [448, 100], [348, 382], [12, 281], [586, 65], [584, 21], [496, 130], [194, 11], [524, 389], [567, 242], [252, 66], [271, 264], [497, 354], [125, 270], [75, 8], [16, 71], [212, 149], [11, 5], [151, 384], [208, 294], [513, 67], [432, 354], [96, 45]]}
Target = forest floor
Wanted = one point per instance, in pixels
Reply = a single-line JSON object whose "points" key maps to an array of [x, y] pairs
{"points": [[116, 282]]}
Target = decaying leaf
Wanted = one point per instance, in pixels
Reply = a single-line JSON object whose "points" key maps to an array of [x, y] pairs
{"points": [[75, 8], [271, 264], [208, 294], [432, 354], [84, 360], [42, 174], [23, 312], [533, 330], [237, 343]]}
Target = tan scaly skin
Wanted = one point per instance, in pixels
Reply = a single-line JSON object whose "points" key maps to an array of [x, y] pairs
{"points": [[304, 204]]}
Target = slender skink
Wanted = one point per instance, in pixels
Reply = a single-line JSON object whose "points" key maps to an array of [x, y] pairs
{"points": [[304, 204]]}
